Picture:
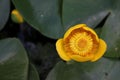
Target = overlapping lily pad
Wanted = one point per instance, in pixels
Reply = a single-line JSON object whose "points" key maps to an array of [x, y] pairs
{"points": [[89, 12], [104, 69], [14, 63], [110, 31]]}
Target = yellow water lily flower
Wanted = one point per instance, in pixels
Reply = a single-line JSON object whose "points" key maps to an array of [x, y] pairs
{"points": [[80, 43], [16, 16]]}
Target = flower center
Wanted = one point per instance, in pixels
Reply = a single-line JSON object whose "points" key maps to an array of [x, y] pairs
{"points": [[81, 43]]}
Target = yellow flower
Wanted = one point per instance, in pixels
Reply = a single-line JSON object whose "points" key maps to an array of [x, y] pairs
{"points": [[80, 43], [16, 16]]}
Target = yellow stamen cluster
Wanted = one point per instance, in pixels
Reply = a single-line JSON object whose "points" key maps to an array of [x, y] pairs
{"points": [[81, 43]]}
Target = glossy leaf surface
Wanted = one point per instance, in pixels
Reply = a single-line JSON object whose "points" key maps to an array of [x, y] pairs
{"points": [[104, 69], [43, 15], [14, 63]]}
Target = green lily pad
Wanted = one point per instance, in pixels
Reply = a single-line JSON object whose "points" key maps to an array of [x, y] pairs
{"points": [[43, 15], [104, 69], [4, 12], [14, 63], [89, 12], [110, 32]]}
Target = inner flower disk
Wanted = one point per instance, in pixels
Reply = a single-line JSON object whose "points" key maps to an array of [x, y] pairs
{"points": [[81, 43]]}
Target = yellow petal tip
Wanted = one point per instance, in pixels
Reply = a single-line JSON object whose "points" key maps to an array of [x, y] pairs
{"points": [[60, 50], [101, 50]]}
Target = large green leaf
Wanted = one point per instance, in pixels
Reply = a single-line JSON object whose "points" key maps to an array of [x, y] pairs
{"points": [[14, 64], [4, 12], [104, 69], [43, 15], [90, 12], [111, 31]]}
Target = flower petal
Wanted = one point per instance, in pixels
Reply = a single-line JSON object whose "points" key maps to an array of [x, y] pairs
{"points": [[92, 31], [73, 28], [60, 50], [81, 59], [101, 50]]}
